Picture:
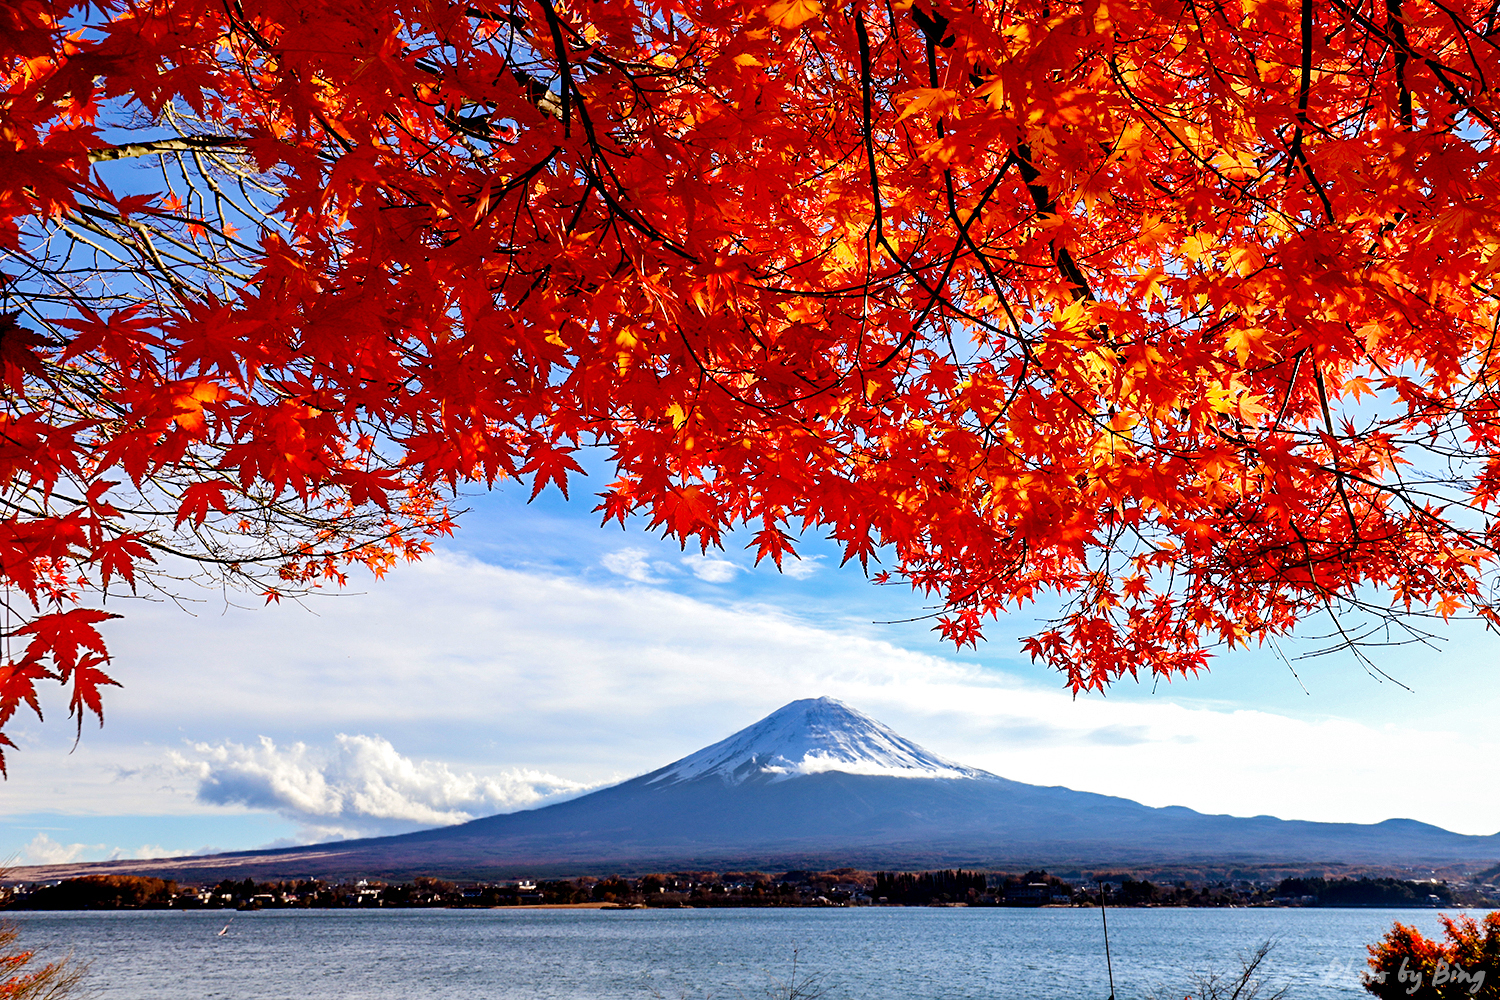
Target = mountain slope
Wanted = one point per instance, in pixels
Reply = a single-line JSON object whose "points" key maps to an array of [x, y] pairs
{"points": [[817, 779], [818, 784]]}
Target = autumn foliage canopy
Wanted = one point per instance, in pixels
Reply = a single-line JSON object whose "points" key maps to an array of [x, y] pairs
{"points": [[1179, 315], [1465, 963]]}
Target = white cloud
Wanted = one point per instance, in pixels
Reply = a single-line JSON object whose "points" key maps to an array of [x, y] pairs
{"points": [[634, 564], [147, 852], [361, 786], [800, 568], [709, 569], [43, 850]]}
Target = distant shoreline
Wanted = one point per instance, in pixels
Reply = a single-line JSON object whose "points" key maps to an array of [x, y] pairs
{"points": [[843, 887]]}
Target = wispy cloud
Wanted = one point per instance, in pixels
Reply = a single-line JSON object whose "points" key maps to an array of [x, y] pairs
{"points": [[634, 564], [800, 568], [43, 850], [360, 786], [709, 569]]}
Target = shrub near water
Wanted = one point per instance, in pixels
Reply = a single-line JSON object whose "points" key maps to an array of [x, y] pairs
{"points": [[20, 979], [1407, 964]]}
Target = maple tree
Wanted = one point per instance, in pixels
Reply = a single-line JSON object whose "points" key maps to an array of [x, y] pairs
{"points": [[1179, 312], [25, 981], [1466, 963]]}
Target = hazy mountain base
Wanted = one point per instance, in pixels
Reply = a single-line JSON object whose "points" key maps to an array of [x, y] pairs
{"points": [[330, 864]]}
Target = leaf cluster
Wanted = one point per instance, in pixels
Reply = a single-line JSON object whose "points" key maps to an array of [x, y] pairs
{"points": [[1179, 313]]}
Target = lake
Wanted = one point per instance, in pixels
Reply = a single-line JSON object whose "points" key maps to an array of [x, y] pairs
{"points": [[871, 953]]}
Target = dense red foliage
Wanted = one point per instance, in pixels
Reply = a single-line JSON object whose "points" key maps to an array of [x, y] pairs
{"points": [[1179, 310], [1467, 964]]}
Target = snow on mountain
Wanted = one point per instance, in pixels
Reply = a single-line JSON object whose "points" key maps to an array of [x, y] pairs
{"points": [[808, 737]]}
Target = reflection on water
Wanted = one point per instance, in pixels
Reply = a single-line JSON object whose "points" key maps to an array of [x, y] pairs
{"points": [[881, 953]]}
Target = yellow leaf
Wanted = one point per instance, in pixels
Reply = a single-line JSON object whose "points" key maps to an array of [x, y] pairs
{"points": [[1246, 260], [992, 91], [1196, 246], [790, 13], [933, 99], [1244, 341], [189, 404], [1103, 23]]}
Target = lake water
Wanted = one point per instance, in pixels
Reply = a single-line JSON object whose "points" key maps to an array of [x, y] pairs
{"points": [[881, 953]]}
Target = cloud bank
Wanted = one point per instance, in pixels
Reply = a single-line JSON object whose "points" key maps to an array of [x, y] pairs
{"points": [[636, 564], [359, 787], [43, 850]]}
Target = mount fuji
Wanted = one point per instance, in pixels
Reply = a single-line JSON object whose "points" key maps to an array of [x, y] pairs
{"points": [[812, 736], [817, 784]]}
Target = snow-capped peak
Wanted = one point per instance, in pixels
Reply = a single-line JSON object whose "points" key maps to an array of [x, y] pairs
{"points": [[808, 737]]}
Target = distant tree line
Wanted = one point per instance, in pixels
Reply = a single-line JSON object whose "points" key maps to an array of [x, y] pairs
{"points": [[100, 892], [1387, 892], [112, 892], [837, 887], [926, 888]]}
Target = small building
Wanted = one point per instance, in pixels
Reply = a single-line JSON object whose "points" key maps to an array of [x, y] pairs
{"points": [[1034, 894]]}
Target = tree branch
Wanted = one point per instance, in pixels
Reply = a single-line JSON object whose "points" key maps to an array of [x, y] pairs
{"points": [[178, 144]]}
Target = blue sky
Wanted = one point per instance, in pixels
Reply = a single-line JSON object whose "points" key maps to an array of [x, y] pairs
{"points": [[537, 654]]}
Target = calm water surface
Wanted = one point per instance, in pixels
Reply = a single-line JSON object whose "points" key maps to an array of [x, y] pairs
{"points": [[883, 953]]}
